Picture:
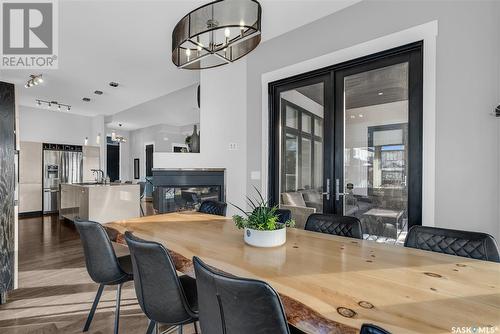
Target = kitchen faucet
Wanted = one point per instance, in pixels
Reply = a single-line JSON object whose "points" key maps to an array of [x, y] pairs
{"points": [[98, 172]]}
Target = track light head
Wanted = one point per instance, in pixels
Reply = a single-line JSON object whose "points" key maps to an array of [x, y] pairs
{"points": [[34, 80]]}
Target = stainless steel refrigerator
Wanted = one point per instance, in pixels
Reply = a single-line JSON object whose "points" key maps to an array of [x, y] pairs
{"points": [[59, 166]]}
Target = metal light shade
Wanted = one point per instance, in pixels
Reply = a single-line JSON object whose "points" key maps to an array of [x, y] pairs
{"points": [[216, 34]]}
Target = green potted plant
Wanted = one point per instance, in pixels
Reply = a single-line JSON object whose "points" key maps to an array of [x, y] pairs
{"points": [[261, 224]]}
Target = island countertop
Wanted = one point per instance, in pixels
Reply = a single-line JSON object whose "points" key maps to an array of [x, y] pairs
{"points": [[100, 202]]}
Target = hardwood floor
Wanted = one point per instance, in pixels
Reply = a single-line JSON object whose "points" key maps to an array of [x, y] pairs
{"points": [[55, 292]]}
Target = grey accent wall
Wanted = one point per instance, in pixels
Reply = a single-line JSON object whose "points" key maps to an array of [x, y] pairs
{"points": [[467, 90]]}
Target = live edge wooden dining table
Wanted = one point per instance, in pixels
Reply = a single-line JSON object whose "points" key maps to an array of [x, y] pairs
{"points": [[331, 284]]}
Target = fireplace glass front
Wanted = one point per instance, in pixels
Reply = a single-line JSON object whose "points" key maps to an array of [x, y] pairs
{"points": [[175, 199]]}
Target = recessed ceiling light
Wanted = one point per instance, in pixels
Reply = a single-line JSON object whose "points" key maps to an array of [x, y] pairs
{"points": [[380, 93], [98, 92], [352, 116], [86, 99], [114, 84], [360, 115]]}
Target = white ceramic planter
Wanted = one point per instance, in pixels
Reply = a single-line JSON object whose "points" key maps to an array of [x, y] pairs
{"points": [[265, 238]]}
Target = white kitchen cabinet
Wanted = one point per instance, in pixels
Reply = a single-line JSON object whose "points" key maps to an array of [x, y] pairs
{"points": [[30, 197], [30, 177], [30, 163]]}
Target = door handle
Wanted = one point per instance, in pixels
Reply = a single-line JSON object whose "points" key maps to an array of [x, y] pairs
{"points": [[327, 192], [337, 190]]}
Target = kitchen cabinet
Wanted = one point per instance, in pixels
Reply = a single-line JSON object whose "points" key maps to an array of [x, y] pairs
{"points": [[30, 177], [30, 197], [102, 203]]}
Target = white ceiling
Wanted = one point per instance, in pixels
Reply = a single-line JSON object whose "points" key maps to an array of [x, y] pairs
{"points": [[130, 42], [179, 108]]}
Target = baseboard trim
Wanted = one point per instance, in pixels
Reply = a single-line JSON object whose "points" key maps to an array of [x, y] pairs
{"points": [[31, 214]]}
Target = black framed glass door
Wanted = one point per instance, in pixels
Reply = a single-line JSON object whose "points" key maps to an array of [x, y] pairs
{"points": [[348, 140], [378, 143], [303, 110]]}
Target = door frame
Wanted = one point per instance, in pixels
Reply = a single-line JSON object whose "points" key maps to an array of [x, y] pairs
{"points": [[332, 164], [145, 145], [119, 156]]}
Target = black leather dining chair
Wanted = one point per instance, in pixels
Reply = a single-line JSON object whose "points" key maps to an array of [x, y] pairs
{"points": [[344, 226], [213, 208], [284, 215], [163, 296], [372, 329], [102, 265], [234, 305], [474, 245]]}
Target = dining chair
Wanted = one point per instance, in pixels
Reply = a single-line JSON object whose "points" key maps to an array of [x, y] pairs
{"points": [[474, 245], [236, 305], [164, 297], [344, 226], [372, 329], [213, 208], [284, 215], [103, 266]]}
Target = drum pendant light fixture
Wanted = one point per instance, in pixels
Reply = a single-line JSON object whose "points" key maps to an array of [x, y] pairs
{"points": [[216, 34]]}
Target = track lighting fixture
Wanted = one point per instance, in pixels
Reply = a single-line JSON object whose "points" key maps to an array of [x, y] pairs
{"points": [[50, 104], [34, 80]]}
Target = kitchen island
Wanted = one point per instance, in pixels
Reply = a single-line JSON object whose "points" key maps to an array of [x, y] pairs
{"points": [[99, 202]]}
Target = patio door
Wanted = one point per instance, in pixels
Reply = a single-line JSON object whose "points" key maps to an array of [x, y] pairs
{"points": [[378, 143], [303, 108], [348, 140]]}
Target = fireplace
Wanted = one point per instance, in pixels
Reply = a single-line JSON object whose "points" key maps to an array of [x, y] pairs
{"points": [[184, 189]]}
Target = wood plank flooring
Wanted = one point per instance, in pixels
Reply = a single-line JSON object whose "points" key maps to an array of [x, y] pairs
{"points": [[55, 292]]}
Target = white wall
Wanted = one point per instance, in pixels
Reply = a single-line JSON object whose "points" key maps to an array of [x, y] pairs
{"points": [[99, 129], [40, 125], [222, 117], [162, 136], [467, 59]]}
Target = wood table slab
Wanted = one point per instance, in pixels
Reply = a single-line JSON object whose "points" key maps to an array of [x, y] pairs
{"points": [[331, 284]]}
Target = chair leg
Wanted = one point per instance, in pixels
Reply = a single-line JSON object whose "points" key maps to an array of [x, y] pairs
{"points": [[117, 312], [94, 307], [180, 329], [142, 210], [151, 327], [195, 327], [169, 330]]}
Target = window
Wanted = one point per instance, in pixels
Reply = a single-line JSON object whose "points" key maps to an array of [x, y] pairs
{"points": [[302, 161]]}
